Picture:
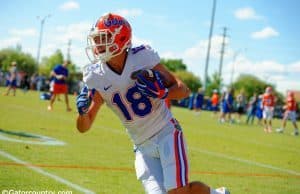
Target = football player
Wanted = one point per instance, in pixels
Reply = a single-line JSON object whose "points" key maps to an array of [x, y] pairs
{"points": [[12, 81], [60, 74], [133, 83], [227, 106], [268, 103], [290, 113], [215, 101]]}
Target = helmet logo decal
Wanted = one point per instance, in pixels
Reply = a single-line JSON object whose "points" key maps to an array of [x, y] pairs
{"points": [[113, 22]]}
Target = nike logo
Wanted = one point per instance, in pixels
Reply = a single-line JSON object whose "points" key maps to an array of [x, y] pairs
{"points": [[107, 87]]}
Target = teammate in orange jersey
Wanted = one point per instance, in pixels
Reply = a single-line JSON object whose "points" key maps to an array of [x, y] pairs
{"points": [[215, 101], [290, 113], [268, 102]]}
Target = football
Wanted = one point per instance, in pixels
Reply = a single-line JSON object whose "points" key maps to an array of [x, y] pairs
{"points": [[149, 75]]}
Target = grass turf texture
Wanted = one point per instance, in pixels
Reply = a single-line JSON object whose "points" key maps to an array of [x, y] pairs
{"points": [[238, 156]]}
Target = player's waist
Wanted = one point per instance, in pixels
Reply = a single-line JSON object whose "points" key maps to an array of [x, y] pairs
{"points": [[168, 128], [60, 82], [148, 129]]}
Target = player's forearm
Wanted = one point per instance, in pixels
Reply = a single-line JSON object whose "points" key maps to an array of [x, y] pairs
{"points": [[84, 122], [178, 91], [60, 77]]}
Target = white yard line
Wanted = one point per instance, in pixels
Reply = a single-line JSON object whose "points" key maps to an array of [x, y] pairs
{"points": [[249, 162], [39, 170], [233, 138]]}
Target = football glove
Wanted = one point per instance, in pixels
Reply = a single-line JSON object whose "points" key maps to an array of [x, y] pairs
{"points": [[150, 84], [84, 100]]}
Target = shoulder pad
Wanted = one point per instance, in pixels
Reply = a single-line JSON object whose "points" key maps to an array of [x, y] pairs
{"points": [[90, 67], [142, 47], [88, 70]]}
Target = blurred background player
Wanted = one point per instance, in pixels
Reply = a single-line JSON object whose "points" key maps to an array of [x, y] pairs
{"points": [[227, 106], [60, 74], [290, 113], [259, 110], [199, 101], [161, 162], [12, 81], [192, 100], [240, 105], [251, 110], [215, 102], [268, 102]]}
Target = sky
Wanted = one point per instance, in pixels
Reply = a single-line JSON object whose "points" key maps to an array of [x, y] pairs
{"points": [[262, 36]]}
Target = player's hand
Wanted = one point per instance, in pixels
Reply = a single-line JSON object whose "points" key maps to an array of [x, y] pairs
{"points": [[84, 100], [150, 84], [60, 77]]}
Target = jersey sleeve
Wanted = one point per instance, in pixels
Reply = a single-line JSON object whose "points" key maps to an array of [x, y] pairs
{"points": [[88, 77]]}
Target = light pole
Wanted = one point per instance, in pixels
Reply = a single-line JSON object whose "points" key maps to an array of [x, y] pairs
{"points": [[236, 54], [233, 66], [69, 50], [222, 52], [40, 38], [209, 43]]}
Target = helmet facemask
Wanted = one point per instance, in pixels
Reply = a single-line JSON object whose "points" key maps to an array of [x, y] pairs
{"points": [[101, 45]]}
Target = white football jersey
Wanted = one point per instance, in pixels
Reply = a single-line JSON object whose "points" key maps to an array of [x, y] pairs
{"points": [[142, 116]]}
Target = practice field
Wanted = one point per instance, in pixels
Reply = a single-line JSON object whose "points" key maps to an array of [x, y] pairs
{"points": [[42, 151]]}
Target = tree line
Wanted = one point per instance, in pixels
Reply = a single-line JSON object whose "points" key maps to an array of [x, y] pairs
{"points": [[245, 82]]}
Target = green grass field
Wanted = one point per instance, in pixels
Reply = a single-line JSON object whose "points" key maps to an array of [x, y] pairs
{"points": [[238, 156]]}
